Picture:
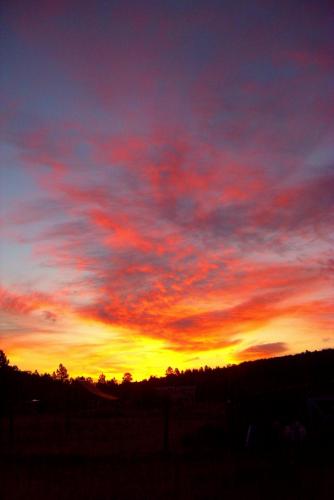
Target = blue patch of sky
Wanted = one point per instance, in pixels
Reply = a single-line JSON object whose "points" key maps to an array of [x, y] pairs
{"points": [[35, 83], [16, 184], [12, 257]]}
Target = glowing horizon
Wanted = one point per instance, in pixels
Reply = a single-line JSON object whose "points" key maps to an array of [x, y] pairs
{"points": [[167, 194]]}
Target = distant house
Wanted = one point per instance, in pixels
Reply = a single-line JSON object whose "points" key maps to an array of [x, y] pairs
{"points": [[183, 395]]}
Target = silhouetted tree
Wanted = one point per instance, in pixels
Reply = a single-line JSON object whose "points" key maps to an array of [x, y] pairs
{"points": [[61, 374], [4, 361], [169, 371], [112, 381], [101, 379], [127, 378]]}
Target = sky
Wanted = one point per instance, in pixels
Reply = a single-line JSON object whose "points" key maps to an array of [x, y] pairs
{"points": [[167, 183]]}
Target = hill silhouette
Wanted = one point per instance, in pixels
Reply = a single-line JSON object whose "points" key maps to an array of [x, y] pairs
{"points": [[307, 374], [244, 430]]}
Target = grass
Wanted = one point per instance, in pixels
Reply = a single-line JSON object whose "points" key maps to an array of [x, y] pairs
{"points": [[121, 458]]}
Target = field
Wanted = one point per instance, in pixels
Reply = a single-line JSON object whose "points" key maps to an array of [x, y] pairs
{"points": [[96, 455]]}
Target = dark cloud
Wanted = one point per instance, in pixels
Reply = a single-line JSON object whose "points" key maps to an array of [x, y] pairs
{"points": [[264, 350]]}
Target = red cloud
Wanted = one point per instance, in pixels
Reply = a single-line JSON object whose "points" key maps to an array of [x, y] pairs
{"points": [[22, 304]]}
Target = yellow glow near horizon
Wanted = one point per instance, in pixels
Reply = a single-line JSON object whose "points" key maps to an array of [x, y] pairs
{"points": [[93, 348]]}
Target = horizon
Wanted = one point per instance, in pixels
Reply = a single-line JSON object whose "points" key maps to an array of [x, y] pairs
{"points": [[175, 372], [167, 184]]}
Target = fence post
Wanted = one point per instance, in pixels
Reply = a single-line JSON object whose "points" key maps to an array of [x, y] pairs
{"points": [[166, 414]]}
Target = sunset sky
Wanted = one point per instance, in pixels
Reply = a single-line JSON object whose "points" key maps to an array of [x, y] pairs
{"points": [[167, 183]]}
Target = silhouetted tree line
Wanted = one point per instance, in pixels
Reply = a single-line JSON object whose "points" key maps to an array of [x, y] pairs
{"points": [[270, 383]]}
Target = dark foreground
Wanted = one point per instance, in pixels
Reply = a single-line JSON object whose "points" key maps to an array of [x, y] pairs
{"points": [[152, 477], [121, 457]]}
